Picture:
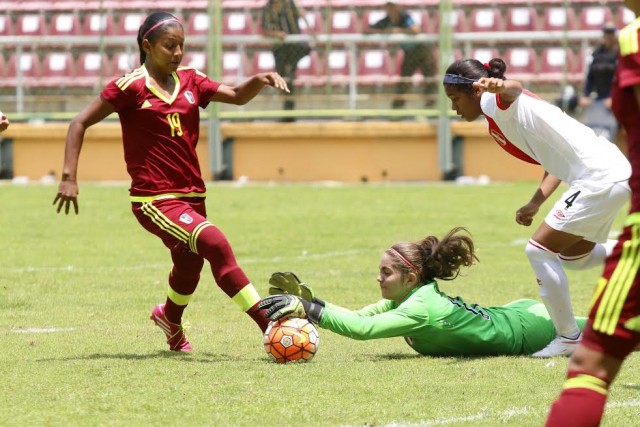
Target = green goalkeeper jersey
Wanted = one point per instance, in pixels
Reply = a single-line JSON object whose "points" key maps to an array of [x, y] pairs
{"points": [[433, 323]]}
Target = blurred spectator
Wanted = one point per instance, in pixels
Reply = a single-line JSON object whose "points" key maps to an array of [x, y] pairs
{"points": [[4, 122], [280, 19], [596, 99], [416, 55]]}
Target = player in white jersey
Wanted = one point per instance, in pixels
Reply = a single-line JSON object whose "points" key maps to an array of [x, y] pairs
{"points": [[574, 233]]}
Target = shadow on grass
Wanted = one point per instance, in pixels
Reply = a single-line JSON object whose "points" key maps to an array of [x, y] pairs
{"points": [[183, 357]]}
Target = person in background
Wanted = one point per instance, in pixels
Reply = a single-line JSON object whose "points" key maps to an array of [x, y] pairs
{"points": [[158, 106], [4, 122], [574, 234], [596, 99], [417, 56], [280, 18], [413, 307], [613, 328]]}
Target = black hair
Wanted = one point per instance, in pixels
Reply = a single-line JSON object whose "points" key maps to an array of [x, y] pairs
{"points": [[435, 258], [148, 23], [474, 70]]}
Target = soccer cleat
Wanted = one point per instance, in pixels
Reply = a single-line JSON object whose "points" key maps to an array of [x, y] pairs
{"points": [[174, 333], [560, 346]]}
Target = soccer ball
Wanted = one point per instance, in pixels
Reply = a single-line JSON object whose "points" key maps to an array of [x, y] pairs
{"points": [[291, 340]]}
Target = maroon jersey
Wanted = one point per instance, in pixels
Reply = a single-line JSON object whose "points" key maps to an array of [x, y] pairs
{"points": [[160, 133], [624, 104]]}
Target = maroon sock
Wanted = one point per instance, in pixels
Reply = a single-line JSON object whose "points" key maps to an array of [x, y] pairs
{"points": [[183, 282], [577, 405]]}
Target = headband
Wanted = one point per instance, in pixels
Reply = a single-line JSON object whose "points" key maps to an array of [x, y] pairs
{"points": [[164, 21], [454, 79], [406, 261]]}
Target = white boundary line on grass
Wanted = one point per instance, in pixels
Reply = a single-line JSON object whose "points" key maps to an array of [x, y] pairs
{"points": [[303, 256], [506, 414], [42, 330]]}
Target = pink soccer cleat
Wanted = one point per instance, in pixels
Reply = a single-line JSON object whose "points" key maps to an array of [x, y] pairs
{"points": [[174, 333]]}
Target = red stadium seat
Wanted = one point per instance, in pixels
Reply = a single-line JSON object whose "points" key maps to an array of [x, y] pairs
{"points": [[237, 24], [197, 60], [595, 17], [30, 25], [555, 62], [374, 66], [337, 67], [421, 18], [124, 63], [198, 24], [29, 65], [314, 19], [521, 19], [485, 20], [235, 67], [559, 18], [309, 72], [624, 16], [129, 24], [65, 24], [344, 22], [263, 62], [95, 24], [3, 68], [90, 66], [521, 63], [57, 69], [371, 16], [484, 55], [6, 25], [458, 21]]}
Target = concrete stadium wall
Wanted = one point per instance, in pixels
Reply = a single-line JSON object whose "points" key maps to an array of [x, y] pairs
{"points": [[300, 151]]}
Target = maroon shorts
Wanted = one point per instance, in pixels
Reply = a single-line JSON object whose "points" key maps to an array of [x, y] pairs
{"points": [[176, 221], [614, 320]]}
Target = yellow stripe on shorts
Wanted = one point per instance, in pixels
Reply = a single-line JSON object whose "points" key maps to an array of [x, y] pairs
{"points": [[193, 238], [616, 291], [588, 382], [164, 223]]}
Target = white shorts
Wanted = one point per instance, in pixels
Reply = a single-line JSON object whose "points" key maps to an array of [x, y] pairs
{"points": [[587, 213]]}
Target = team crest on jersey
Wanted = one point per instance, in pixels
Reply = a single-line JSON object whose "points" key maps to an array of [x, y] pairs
{"points": [[186, 218], [189, 95]]}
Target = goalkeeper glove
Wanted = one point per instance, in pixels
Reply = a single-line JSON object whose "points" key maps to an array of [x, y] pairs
{"points": [[288, 283], [279, 306]]}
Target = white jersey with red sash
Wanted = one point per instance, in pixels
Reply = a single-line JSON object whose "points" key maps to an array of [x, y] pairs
{"points": [[536, 131]]}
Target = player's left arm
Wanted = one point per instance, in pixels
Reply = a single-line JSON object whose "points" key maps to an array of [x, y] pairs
{"points": [[247, 90]]}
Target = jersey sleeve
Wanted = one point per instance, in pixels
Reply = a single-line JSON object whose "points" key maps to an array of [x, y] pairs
{"points": [[121, 96], [206, 87], [380, 320]]}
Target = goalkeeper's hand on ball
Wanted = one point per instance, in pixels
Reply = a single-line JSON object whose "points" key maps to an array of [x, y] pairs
{"points": [[288, 283], [279, 306]]}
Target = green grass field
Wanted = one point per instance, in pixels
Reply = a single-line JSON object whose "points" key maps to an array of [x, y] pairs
{"points": [[79, 348]]}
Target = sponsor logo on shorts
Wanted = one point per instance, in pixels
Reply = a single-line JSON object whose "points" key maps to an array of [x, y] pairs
{"points": [[186, 218], [189, 95], [558, 214]]}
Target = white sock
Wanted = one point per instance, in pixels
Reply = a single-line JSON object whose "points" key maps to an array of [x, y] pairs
{"points": [[594, 258], [554, 288]]}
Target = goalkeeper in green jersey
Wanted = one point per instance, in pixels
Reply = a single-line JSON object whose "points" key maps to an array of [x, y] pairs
{"points": [[413, 307]]}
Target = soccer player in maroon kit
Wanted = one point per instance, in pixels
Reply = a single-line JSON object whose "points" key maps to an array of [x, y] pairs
{"points": [[158, 105], [613, 329]]}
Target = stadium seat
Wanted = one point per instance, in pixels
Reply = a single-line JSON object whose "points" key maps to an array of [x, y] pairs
{"points": [[29, 65], [624, 16], [521, 19], [458, 21], [337, 67], [64, 24], [344, 22], [421, 18], [263, 62], [237, 24], [30, 25], [371, 16], [374, 67], [485, 20], [95, 24], [521, 63], [594, 17], [235, 67], [3, 68], [57, 69], [197, 24], [197, 60], [309, 72], [314, 19], [555, 62], [559, 18], [129, 24], [124, 63], [6, 25], [90, 66], [484, 55]]}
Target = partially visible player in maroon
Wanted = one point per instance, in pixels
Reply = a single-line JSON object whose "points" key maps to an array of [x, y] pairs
{"points": [[158, 105], [613, 329]]}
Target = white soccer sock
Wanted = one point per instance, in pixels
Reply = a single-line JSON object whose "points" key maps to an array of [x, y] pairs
{"points": [[554, 288], [594, 258]]}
